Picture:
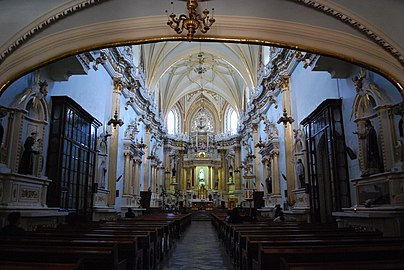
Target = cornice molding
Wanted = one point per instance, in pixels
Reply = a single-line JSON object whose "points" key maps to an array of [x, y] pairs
{"points": [[42, 23], [357, 22], [230, 29]]}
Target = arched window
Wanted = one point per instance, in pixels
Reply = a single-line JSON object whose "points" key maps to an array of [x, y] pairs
{"points": [[231, 121], [171, 123]]}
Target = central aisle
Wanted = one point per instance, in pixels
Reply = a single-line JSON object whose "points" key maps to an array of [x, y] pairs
{"points": [[198, 248]]}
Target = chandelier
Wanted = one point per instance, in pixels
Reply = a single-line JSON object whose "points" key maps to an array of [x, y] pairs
{"points": [[192, 22]]}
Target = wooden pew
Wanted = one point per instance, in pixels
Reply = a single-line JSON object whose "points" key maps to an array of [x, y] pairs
{"points": [[127, 248], [102, 258], [17, 265], [150, 237], [239, 234], [345, 265], [250, 251], [143, 240], [270, 257]]}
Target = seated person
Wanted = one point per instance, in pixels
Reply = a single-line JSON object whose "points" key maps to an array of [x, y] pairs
{"points": [[235, 216], [277, 210], [12, 229], [130, 213], [279, 218]]}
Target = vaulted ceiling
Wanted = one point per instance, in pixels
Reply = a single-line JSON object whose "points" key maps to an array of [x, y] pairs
{"points": [[220, 72]]}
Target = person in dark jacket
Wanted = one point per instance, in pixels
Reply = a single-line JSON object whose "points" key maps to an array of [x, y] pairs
{"points": [[129, 213], [235, 216], [13, 229]]}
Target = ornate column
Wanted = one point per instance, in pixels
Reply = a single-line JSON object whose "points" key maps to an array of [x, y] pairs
{"points": [[147, 167], [288, 136], [387, 136], [161, 178], [136, 183], [276, 197], [113, 146], [237, 165], [153, 177], [183, 180], [215, 176], [167, 165], [256, 160], [127, 173], [223, 180]]}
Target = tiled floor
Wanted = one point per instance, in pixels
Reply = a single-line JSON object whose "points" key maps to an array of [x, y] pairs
{"points": [[198, 249]]}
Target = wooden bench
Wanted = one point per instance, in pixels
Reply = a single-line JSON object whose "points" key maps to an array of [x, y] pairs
{"points": [[127, 248], [17, 265], [92, 257], [251, 249], [270, 257], [345, 265], [143, 240], [238, 239]]}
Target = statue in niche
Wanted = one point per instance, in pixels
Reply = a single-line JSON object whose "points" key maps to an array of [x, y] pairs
{"points": [[27, 159], [372, 158], [173, 171], [268, 182], [102, 173], [299, 168], [201, 175], [188, 184]]}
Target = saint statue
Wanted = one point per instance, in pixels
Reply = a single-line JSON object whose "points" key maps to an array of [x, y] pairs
{"points": [[268, 182], [102, 173], [300, 173], [201, 175], [372, 158], [27, 159]]}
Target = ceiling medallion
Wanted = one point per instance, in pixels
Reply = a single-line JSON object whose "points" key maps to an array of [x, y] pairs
{"points": [[192, 22], [200, 68]]}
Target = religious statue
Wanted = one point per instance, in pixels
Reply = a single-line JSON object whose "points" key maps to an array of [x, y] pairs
{"points": [[300, 173], [201, 175], [102, 173], [173, 171], [188, 185], [372, 158], [27, 159], [268, 182]]}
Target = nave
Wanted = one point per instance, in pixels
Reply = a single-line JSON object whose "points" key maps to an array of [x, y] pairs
{"points": [[168, 241], [198, 248]]}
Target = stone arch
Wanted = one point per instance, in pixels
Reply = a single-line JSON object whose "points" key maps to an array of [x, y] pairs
{"points": [[38, 52]]}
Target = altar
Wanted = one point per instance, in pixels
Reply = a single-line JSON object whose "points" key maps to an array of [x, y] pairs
{"points": [[202, 205]]}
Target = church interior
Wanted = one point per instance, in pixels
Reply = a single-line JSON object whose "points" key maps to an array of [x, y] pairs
{"points": [[291, 103]]}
